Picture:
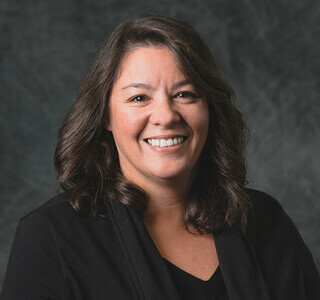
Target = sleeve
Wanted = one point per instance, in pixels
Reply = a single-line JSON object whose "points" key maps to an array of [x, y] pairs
{"points": [[34, 269], [286, 262], [304, 259]]}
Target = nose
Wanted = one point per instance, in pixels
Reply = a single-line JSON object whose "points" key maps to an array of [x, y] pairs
{"points": [[164, 112]]}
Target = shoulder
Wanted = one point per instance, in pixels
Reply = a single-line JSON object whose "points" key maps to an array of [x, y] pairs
{"points": [[59, 204], [40, 225], [262, 201], [272, 232], [62, 220], [58, 207], [36, 228], [34, 250], [269, 226], [266, 211], [275, 241]]}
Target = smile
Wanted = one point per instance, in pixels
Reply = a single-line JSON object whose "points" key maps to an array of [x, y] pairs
{"points": [[166, 142]]}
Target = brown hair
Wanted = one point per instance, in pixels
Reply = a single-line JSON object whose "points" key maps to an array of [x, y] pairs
{"points": [[86, 157]]}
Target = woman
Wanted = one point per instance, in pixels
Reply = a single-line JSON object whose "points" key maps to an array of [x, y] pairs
{"points": [[151, 158]]}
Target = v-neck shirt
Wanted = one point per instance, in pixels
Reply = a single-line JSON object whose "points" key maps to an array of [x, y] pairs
{"points": [[190, 287], [117, 259]]}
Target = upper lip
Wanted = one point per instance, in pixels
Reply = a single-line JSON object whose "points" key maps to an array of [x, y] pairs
{"points": [[169, 136]]}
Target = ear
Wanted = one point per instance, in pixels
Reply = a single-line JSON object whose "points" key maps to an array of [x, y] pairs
{"points": [[108, 126], [107, 119]]}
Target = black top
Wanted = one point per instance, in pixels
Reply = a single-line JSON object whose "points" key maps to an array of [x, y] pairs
{"points": [[58, 254], [190, 287]]}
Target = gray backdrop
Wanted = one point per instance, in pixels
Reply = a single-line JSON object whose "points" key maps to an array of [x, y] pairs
{"points": [[267, 49]]}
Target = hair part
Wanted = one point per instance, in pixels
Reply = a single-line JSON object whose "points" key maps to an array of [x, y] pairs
{"points": [[86, 158]]}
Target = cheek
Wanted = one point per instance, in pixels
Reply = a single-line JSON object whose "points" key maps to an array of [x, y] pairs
{"points": [[200, 120], [129, 123]]}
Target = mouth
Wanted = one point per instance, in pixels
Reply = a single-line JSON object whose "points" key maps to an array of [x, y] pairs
{"points": [[170, 142]]}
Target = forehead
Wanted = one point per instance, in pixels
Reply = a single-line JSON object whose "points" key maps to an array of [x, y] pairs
{"points": [[147, 63]]}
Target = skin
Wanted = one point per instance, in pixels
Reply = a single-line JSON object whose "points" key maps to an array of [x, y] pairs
{"points": [[160, 108]]}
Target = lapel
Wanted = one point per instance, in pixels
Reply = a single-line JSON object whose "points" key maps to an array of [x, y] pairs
{"points": [[239, 266], [149, 271], [150, 274]]}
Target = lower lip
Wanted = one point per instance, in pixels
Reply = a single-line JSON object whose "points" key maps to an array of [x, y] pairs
{"points": [[171, 149]]}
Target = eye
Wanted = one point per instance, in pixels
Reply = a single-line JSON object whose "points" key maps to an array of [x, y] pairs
{"points": [[186, 94], [139, 98]]}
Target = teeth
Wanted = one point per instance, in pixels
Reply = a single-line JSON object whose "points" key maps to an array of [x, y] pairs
{"points": [[166, 143], [169, 142], [163, 143]]}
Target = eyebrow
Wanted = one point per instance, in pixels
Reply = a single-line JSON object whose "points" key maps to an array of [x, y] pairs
{"points": [[150, 88]]}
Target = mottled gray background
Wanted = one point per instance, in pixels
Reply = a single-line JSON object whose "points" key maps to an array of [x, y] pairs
{"points": [[269, 50]]}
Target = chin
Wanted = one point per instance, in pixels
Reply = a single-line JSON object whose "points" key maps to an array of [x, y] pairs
{"points": [[169, 174]]}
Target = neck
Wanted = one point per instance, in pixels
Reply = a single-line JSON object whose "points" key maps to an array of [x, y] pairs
{"points": [[165, 202], [165, 199], [165, 210]]}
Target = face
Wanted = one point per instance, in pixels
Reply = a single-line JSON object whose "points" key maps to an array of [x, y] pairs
{"points": [[158, 121]]}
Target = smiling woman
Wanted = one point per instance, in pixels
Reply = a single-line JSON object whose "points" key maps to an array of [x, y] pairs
{"points": [[154, 78], [151, 160], [163, 109]]}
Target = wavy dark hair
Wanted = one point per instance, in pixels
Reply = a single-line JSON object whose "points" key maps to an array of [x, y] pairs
{"points": [[86, 158]]}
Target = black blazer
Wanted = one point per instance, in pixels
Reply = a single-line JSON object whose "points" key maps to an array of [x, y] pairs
{"points": [[57, 254]]}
